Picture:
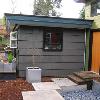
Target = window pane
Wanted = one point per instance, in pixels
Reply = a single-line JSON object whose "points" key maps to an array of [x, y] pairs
{"points": [[52, 40]]}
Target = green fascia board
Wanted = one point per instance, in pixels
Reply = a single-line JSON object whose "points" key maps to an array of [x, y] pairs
{"points": [[50, 24], [48, 21]]}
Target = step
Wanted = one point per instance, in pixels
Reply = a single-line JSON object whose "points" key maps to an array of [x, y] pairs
{"points": [[76, 79], [86, 75]]}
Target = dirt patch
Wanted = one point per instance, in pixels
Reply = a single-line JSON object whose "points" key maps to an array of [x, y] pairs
{"points": [[11, 89]]}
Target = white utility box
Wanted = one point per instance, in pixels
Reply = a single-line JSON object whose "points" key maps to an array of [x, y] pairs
{"points": [[33, 74]]}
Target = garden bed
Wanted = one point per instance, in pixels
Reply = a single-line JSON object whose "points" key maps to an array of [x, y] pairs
{"points": [[11, 89]]}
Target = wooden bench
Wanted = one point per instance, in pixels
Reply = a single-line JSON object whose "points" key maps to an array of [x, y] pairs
{"points": [[84, 77]]}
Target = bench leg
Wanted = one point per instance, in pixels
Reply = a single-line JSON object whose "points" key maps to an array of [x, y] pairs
{"points": [[89, 85]]}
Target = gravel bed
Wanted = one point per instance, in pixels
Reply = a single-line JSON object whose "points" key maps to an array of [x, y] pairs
{"points": [[93, 94]]}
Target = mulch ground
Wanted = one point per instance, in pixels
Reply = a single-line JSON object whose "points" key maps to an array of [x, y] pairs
{"points": [[11, 89]]}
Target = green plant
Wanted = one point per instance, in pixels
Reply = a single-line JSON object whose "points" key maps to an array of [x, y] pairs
{"points": [[10, 57], [82, 13], [14, 34], [47, 7]]}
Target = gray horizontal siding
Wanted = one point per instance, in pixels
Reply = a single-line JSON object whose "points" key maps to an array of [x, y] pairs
{"points": [[56, 72], [51, 59], [49, 66], [27, 59], [39, 44], [30, 44], [29, 35], [70, 37], [58, 59], [73, 46], [30, 47], [40, 52]]}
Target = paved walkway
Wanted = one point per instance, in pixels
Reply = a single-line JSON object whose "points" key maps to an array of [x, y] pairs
{"points": [[42, 95], [45, 86]]}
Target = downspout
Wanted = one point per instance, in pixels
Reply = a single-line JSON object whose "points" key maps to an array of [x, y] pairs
{"points": [[86, 56]]}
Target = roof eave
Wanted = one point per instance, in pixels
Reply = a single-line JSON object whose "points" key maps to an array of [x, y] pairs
{"points": [[46, 21]]}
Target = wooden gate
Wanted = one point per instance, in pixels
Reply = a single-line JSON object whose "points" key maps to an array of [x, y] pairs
{"points": [[96, 52]]}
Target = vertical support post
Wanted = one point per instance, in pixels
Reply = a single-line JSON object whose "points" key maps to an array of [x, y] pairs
{"points": [[87, 32], [89, 85]]}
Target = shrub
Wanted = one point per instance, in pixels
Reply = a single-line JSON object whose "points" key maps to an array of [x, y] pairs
{"points": [[10, 57]]}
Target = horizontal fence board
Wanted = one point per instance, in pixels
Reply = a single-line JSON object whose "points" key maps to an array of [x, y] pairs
{"points": [[27, 51], [59, 65], [26, 29], [73, 46], [22, 66], [58, 59], [51, 59], [26, 59], [56, 73], [39, 44], [41, 52], [30, 44], [73, 38], [25, 44], [22, 73], [31, 36], [25, 36], [74, 31], [35, 35]]}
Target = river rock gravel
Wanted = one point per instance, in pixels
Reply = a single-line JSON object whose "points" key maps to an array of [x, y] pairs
{"points": [[93, 94]]}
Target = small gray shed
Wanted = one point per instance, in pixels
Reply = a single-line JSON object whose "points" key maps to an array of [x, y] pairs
{"points": [[57, 45]]}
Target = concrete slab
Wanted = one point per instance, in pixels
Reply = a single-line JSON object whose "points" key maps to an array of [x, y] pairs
{"points": [[45, 86], [73, 88], [42, 95], [63, 82], [67, 85]]}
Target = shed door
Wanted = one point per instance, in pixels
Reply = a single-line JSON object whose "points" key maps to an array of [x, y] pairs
{"points": [[96, 52]]}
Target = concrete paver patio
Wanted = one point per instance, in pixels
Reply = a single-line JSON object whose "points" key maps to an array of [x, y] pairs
{"points": [[42, 95], [45, 86], [67, 85], [63, 82]]}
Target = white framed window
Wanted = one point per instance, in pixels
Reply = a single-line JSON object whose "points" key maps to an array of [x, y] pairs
{"points": [[52, 40]]}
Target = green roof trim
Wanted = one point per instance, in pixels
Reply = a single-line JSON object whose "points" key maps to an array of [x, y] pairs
{"points": [[31, 20]]}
